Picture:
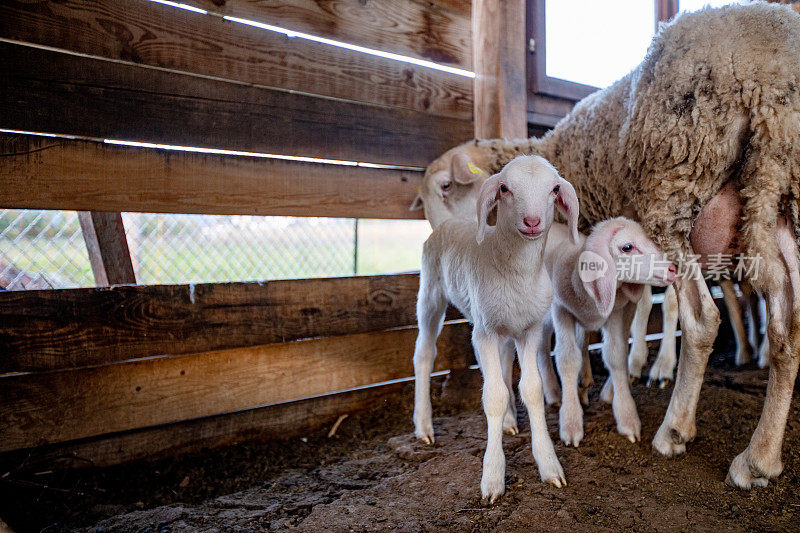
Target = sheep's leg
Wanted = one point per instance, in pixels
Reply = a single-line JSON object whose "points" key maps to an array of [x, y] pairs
{"points": [[637, 357], [507, 360], [431, 306], [744, 352], [761, 460], [569, 361], [587, 379], [552, 392], [661, 371], [530, 388], [495, 403], [699, 323], [615, 336]]}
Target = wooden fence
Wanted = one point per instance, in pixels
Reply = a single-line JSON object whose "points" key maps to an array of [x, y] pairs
{"points": [[124, 372]]}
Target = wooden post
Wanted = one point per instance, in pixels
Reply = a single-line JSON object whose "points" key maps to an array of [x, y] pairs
{"points": [[665, 10], [105, 240], [498, 41]]}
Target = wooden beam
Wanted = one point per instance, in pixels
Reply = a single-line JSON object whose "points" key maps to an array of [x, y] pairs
{"points": [[498, 30], [104, 235], [65, 405], [46, 173], [410, 27], [99, 99], [69, 328], [280, 421], [157, 35]]}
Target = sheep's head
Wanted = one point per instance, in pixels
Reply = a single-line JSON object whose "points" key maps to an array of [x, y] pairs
{"points": [[527, 192], [450, 186], [619, 254]]}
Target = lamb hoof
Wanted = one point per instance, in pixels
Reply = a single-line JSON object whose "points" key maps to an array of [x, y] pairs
{"points": [[512, 430], [743, 356], [491, 489], [662, 384], [425, 436], [557, 482]]}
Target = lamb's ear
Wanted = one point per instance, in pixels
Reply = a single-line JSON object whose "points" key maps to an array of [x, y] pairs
{"points": [[463, 170], [416, 205], [567, 204], [487, 199], [599, 276]]}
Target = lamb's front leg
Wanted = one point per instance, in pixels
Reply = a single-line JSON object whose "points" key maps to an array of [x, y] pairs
{"points": [[530, 388], [569, 361], [664, 365], [495, 403], [699, 323], [615, 336]]}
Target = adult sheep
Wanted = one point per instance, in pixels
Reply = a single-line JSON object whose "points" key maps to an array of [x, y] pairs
{"points": [[701, 144]]}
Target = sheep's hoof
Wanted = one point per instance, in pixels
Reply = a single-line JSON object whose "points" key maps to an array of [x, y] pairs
{"points": [[742, 476], [512, 430], [557, 482], [426, 438], [635, 380]]}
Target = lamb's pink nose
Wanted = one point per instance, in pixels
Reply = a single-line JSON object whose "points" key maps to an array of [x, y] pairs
{"points": [[531, 222]]}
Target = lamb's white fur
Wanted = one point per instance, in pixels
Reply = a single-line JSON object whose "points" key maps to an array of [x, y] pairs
{"points": [[496, 278], [581, 303]]}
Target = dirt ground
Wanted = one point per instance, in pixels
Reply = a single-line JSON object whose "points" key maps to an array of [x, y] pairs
{"points": [[374, 476]]}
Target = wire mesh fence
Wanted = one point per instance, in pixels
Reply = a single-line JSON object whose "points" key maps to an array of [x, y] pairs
{"points": [[45, 249]]}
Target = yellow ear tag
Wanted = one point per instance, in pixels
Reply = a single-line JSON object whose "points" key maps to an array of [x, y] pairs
{"points": [[472, 168]]}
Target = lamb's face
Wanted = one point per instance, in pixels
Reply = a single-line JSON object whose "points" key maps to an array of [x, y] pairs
{"points": [[637, 258], [450, 186], [526, 192]]}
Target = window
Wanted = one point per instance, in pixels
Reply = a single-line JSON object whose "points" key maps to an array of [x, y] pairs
{"points": [[578, 46]]}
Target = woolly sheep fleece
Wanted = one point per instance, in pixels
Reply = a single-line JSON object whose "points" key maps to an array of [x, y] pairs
{"points": [[715, 99]]}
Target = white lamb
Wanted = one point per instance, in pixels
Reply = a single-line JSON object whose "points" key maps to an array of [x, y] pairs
{"points": [[596, 285], [495, 276]]}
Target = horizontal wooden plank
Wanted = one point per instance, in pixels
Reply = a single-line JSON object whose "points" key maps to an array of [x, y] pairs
{"points": [[410, 27], [280, 421], [159, 35], [46, 173], [68, 328], [97, 99], [60, 406]]}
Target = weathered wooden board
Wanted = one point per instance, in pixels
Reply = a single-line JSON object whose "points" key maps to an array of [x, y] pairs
{"points": [[67, 328], [410, 27], [104, 235], [72, 404], [158, 35], [84, 175], [498, 28], [280, 421], [98, 99]]}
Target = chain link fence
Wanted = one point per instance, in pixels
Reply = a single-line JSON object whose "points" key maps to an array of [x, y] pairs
{"points": [[45, 249]]}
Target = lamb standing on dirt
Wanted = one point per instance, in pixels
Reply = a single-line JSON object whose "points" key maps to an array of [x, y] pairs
{"points": [[604, 297], [700, 144], [496, 278]]}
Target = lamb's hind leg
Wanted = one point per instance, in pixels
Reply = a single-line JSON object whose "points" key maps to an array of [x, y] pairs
{"points": [[552, 392], [637, 357], [431, 306], [761, 460], [699, 323], [507, 361]]}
